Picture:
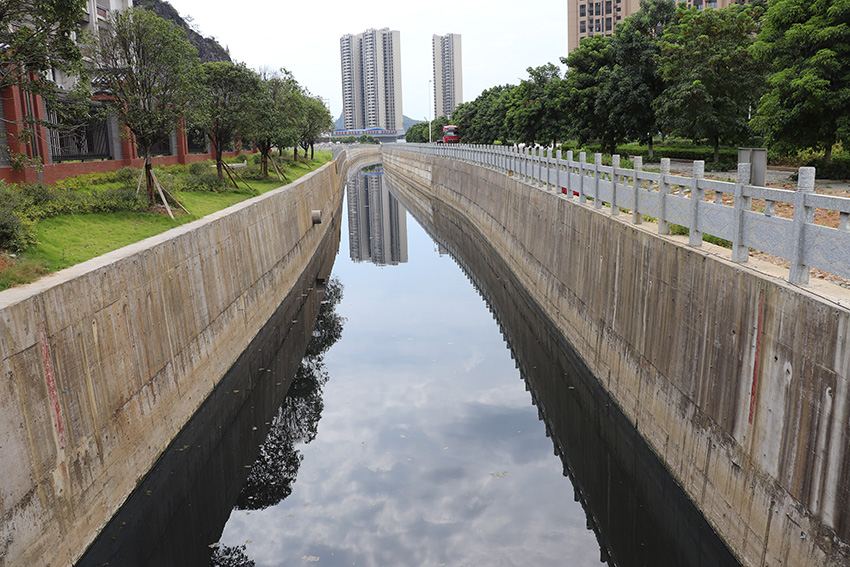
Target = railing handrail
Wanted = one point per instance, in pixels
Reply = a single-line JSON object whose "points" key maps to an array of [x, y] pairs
{"points": [[680, 200]]}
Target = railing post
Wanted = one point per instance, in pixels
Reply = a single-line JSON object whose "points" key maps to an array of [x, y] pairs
{"points": [[615, 165], [569, 175], [740, 253], [597, 162], [663, 191], [697, 196], [548, 169], [802, 216], [558, 170], [637, 218], [582, 165]]}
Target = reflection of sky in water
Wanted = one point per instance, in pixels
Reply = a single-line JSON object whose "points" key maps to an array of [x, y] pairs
{"points": [[429, 451]]}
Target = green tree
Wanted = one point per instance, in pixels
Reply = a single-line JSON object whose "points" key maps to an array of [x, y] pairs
{"points": [[635, 81], [531, 114], [806, 46], [37, 36], [586, 101], [233, 94], [482, 121], [417, 134], [713, 81], [276, 115], [315, 120], [151, 72]]}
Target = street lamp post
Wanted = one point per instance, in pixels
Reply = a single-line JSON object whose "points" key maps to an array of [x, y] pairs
{"points": [[429, 109]]}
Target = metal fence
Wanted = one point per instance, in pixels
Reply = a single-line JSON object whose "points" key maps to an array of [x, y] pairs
{"points": [[78, 142], [704, 206]]}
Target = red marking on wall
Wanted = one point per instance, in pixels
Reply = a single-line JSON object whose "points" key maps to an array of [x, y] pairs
{"points": [[51, 385], [756, 363]]}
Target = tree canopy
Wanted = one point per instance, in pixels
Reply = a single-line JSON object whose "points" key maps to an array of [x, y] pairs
{"points": [[712, 81], [806, 46], [151, 72], [276, 114], [233, 93], [37, 36]]}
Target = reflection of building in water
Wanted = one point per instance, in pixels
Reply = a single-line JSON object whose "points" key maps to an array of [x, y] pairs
{"points": [[377, 223]]}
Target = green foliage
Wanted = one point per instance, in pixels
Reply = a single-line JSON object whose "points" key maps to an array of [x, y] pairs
{"points": [[635, 81], [37, 36], [712, 80], [482, 121], [22, 206], [533, 109], [416, 134], [233, 93], [277, 114], [151, 71], [806, 46], [836, 168], [590, 110]]}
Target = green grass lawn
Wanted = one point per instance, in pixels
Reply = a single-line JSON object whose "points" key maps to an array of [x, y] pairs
{"points": [[66, 240]]}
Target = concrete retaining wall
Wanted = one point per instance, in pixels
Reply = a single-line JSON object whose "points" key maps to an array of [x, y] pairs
{"points": [[738, 380], [103, 363]]}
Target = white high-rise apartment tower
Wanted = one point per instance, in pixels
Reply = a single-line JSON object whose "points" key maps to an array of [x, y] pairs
{"points": [[448, 73], [371, 80]]}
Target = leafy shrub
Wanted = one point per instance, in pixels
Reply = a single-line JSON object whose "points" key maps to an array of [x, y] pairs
{"points": [[206, 181], [252, 172], [200, 167], [838, 168], [21, 206]]}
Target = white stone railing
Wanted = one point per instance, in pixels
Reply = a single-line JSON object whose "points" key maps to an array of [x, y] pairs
{"points": [[674, 199]]}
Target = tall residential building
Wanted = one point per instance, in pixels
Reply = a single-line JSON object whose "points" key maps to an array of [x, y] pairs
{"points": [[448, 73], [592, 17], [371, 80]]}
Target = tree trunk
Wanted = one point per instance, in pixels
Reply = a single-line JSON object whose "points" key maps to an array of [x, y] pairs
{"points": [[716, 149], [827, 155], [651, 149], [219, 162], [149, 184], [295, 153], [264, 161], [311, 150]]}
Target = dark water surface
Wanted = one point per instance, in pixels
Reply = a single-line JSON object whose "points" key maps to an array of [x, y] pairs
{"points": [[450, 425], [430, 452]]}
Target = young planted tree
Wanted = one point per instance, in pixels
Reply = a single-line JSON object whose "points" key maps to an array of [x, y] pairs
{"points": [[712, 79], [277, 113], [315, 120], [233, 94], [151, 72], [806, 46]]}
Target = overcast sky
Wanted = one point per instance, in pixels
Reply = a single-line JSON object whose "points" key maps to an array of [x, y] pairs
{"points": [[500, 38]]}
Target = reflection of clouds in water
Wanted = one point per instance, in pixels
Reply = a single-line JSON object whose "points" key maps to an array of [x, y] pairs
{"points": [[445, 506], [429, 451]]}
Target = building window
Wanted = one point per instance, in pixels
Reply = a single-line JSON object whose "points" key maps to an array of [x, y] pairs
{"points": [[598, 8], [607, 24], [608, 6], [581, 27], [581, 11], [597, 26]]}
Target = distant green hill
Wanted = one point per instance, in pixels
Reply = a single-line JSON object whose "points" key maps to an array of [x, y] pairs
{"points": [[408, 122]]}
